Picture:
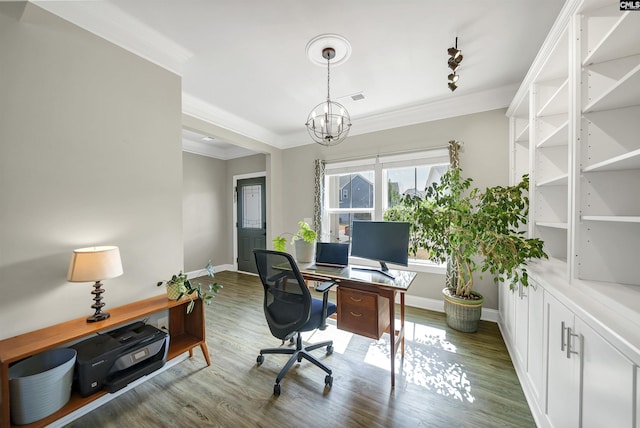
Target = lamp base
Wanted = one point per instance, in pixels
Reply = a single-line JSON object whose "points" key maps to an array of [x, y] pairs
{"points": [[97, 304], [101, 316]]}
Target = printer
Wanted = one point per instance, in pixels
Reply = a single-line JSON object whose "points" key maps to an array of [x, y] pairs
{"points": [[114, 359]]}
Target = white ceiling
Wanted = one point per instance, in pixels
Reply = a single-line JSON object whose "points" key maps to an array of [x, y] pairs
{"points": [[244, 66]]}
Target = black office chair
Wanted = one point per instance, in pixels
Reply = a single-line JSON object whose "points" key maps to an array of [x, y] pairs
{"points": [[290, 309]]}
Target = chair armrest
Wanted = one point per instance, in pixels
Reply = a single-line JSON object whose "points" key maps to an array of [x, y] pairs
{"points": [[325, 286]]}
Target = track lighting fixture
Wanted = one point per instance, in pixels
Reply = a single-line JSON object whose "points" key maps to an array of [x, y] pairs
{"points": [[455, 58], [453, 78]]}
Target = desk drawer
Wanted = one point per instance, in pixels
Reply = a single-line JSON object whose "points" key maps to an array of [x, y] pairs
{"points": [[362, 312]]}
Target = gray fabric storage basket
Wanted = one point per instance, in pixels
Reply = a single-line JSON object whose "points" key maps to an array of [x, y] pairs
{"points": [[41, 385]]}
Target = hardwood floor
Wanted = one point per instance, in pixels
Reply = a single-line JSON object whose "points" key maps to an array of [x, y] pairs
{"points": [[448, 379]]}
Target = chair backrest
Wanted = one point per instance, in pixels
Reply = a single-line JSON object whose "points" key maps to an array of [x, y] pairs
{"points": [[287, 300]]}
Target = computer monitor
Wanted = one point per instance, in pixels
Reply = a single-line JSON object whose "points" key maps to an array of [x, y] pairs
{"points": [[382, 241]]}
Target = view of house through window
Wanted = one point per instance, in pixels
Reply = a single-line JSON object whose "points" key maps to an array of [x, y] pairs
{"points": [[365, 189]]}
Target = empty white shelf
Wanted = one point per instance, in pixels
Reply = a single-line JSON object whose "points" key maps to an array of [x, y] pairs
{"points": [[612, 218], [624, 93], [620, 41], [629, 160], [553, 224], [561, 180]]}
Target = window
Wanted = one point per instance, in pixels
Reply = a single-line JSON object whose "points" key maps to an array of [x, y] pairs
{"points": [[364, 189]]}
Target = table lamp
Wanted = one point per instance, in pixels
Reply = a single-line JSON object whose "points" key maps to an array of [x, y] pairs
{"points": [[95, 264]]}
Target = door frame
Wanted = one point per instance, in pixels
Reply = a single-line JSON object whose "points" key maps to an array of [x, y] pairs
{"points": [[235, 209]]}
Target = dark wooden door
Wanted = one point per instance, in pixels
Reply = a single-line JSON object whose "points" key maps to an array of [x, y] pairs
{"points": [[251, 222]]}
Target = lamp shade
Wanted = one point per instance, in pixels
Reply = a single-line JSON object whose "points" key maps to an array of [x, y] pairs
{"points": [[94, 264]]}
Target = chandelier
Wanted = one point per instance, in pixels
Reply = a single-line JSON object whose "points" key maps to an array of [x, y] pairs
{"points": [[329, 122]]}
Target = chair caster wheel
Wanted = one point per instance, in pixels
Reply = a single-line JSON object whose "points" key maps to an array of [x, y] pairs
{"points": [[328, 381], [329, 349], [260, 359], [276, 389]]}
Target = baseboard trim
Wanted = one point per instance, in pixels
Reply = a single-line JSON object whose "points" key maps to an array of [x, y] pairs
{"points": [[437, 305], [201, 272]]}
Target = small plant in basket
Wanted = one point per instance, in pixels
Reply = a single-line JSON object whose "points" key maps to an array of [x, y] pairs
{"points": [[179, 285]]}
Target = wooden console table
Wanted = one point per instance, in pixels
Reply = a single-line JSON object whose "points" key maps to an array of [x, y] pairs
{"points": [[186, 331]]}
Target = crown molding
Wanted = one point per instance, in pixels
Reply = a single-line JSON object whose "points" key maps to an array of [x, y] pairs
{"points": [[209, 150], [444, 108], [204, 111], [109, 22]]}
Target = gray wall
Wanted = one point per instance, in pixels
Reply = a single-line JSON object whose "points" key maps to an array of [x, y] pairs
{"points": [[205, 219], [208, 207], [90, 154], [484, 158]]}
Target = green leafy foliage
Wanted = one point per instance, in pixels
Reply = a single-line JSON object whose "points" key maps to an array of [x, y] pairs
{"points": [[188, 288], [477, 230], [305, 232]]}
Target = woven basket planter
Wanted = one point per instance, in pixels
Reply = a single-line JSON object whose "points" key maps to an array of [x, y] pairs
{"points": [[462, 314], [174, 290]]}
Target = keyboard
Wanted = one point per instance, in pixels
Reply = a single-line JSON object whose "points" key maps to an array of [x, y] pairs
{"points": [[329, 269]]}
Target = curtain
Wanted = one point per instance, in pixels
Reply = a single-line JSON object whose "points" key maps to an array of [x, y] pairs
{"points": [[451, 277], [318, 196], [454, 154]]}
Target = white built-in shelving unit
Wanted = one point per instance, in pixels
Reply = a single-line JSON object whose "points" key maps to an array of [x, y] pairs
{"points": [[608, 236], [575, 129], [550, 151]]}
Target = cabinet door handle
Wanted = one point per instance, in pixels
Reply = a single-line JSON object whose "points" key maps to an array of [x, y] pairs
{"points": [[562, 342], [354, 314], [522, 293], [569, 336], [355, 300]]}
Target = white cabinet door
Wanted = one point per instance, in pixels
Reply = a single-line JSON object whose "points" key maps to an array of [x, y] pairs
{"points": [[563, 387], [535, 348], [607, 382], [507, 313], [522, 324]]}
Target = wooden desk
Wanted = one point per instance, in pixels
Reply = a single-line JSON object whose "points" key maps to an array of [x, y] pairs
{"points": [[186, 332], [366, 303]]}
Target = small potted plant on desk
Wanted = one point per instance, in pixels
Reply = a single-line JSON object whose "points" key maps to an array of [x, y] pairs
{"points": [[303, 241], [179, 285], [470, 230]]}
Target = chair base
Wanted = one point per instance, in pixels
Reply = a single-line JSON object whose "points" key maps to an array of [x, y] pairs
{"points": [[298, 354]]}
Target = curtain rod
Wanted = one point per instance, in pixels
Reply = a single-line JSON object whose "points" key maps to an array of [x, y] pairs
{"points": [[402, 152]]}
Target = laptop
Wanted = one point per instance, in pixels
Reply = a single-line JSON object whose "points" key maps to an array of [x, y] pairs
{"points": [[331, 257]]}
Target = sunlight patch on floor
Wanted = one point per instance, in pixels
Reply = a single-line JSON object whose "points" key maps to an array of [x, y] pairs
{"points": [[425, 364], [340, 338], [427, 335]]}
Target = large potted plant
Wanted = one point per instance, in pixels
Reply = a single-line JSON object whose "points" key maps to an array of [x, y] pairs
{"points": [[471, 231], [303, 241]]}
